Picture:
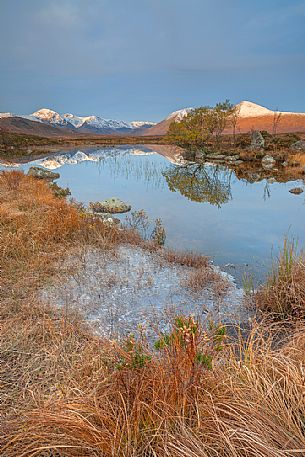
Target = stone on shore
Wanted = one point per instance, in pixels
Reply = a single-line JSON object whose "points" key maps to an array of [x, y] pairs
{"points": [[42, 173]]}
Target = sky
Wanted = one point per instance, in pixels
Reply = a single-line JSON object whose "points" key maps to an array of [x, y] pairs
{"points": [[143, 59]]}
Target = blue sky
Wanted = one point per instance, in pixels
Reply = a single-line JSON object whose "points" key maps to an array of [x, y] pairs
{"points": [[132, 59]]}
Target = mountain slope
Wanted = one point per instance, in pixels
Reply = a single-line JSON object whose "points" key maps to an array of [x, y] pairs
{"points": [[20, 125], [162, 127], [251, 116]]}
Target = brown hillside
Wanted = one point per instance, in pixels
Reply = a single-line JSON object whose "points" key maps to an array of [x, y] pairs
{"points": [[289, 122], [20, 125]]}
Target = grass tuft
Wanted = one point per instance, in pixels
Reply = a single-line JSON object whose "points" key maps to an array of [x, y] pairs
{"points": [[284, 293]]}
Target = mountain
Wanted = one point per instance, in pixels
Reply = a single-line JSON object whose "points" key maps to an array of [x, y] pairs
{"points": [[257, 117], [250, 116], [49, 116], [46, 122], [162, 127], [88, 124], [81, 124]]}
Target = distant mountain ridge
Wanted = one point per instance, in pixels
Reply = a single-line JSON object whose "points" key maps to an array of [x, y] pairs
{"points": [[50, 123], [83, 124]]}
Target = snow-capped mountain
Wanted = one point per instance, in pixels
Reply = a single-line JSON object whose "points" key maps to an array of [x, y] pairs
{"points": [[50, 117], [95, 121], [250, 116], [141, 124], [86, 123]]}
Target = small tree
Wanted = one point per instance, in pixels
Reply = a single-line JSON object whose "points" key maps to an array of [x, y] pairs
{"points": [[201, 125]]}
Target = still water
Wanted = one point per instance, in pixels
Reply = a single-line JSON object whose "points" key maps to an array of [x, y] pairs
{"points": [[205, 208]]}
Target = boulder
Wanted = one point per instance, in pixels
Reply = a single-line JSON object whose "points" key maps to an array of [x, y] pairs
{"points": [[296, 190], [268, 162], [298, 146], [111, 205], [42, 173], [257, 141]]}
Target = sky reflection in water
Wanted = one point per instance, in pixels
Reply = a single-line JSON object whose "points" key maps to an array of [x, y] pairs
{"points": [[203, 208]]}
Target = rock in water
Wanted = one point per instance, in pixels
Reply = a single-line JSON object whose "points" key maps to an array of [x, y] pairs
{"points": [[111, 205], [257, 141], [268, 162], [296, 190], [42, 173], [298, 146]]}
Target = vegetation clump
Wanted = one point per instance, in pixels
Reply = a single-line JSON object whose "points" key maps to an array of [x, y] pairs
{"points": [[283, 296]]}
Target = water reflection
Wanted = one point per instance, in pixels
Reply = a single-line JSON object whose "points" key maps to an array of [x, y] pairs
{"points": [[200, 183], [235, 214]]}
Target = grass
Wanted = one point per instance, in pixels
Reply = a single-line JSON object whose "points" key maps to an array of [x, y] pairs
{"points": [[36, 229], [67, 392], [187, 259], [198, 394], [200, 278], [283, 295]]}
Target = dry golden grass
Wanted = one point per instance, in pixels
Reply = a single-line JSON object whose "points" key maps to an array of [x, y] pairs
{"points": [[191, 398], [203, 277], [66, 392], [37, 228], [187, 259], [283, 295]]}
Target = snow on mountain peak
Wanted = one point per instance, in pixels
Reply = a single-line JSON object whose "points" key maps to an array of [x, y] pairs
{"points": [[50, 116], [139, 124], [6, 115], [76, 121], [250, 109], [180, 114]]}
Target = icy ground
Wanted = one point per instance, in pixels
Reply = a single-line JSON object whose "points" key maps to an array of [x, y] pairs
{"points": [[121, 290]]}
